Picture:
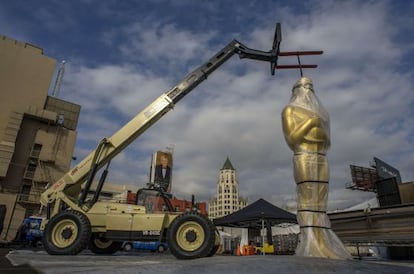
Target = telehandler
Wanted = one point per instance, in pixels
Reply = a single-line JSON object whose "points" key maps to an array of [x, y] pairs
{"points": [[75, 222]]}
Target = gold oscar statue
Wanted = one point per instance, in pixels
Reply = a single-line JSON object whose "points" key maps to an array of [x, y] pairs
{"points": [[306, 128]]}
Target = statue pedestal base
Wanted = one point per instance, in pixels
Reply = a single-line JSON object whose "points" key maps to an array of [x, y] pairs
{"points": [[320, 242]]}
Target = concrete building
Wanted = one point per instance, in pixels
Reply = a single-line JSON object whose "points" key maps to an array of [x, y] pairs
{"points": [[37, 132], [228, 199]]}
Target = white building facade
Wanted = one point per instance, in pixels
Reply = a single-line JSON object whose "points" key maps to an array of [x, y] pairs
{"points": [[227, 199]]}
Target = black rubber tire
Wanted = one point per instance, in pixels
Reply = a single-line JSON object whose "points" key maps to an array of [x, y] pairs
{"points": [[191, 235], [100, 245], [213, 251], [128, 247], [161, 249], [38, 243], [67, 233], [216, 244]]}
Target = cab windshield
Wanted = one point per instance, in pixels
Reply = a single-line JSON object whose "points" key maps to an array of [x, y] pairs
{"points": [[152, 200]]}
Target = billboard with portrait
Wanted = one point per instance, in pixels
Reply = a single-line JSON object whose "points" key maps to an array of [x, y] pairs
{"points": [[161, 170]]}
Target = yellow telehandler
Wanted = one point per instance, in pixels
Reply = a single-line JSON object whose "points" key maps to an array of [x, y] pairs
{"points": [[75, 221]]}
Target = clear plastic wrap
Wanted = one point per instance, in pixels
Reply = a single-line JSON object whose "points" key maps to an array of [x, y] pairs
{"points": [[307, 132]]}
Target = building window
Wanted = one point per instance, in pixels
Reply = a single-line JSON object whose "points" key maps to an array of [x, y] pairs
{"points": [[36, 150], [30, 170], [25, 192]]}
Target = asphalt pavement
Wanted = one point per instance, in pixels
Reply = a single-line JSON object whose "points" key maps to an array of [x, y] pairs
{"points": [[38, 261], [7, 267]]}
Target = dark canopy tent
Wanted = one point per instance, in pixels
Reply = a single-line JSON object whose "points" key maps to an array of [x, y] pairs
{"points": [[254, 215]]}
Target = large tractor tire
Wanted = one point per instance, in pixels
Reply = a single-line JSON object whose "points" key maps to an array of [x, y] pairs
{"points": [[216, 244], [190, 236], [100, 245], [67, 233]]}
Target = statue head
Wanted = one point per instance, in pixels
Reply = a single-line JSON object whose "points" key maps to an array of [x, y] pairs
{"points": [[303, 96], [305, 83]]}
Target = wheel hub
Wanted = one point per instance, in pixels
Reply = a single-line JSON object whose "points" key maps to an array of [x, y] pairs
{"points": [[191, 236], [67, 233]]}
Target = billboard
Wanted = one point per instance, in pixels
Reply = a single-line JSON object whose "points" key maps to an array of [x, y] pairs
{"points": [[388, 193], [161, 170], [363, 178], [386, 171]]}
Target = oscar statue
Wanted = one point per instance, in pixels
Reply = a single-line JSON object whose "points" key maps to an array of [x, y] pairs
{"points": [[307, 132]]}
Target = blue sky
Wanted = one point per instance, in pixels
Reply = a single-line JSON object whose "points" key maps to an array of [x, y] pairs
{"points": [[121, 55]]}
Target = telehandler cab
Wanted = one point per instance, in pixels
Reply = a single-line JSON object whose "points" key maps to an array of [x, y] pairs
{"points": [[75, 222]]}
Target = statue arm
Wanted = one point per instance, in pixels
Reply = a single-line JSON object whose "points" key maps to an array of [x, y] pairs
{"points": [[294, 130]]}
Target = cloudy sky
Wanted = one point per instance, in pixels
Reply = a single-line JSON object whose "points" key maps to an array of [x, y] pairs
{"points": [[121, 55]]}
